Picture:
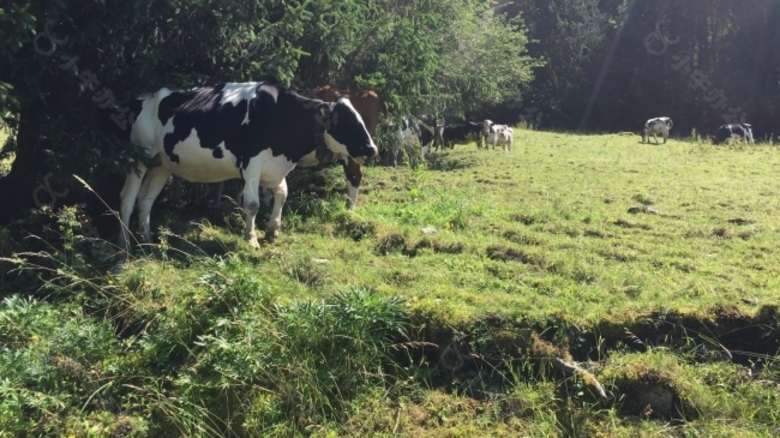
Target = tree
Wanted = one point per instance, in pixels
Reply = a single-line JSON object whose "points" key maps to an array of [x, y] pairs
{"points": [[65, 59]]}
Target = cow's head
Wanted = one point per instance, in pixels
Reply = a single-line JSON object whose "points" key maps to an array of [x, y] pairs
{"points": [[713, 139], [487, 126], [345, 132]]}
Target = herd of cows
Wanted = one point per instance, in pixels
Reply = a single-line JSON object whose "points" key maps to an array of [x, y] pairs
{"points": [[258, 132], [725, 133]]}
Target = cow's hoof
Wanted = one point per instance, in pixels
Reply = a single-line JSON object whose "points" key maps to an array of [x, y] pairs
{"points": [[271, 236], [252, 240]]}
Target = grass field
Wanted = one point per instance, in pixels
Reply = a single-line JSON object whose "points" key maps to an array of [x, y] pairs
{"points": [[584, 228], [652, 266]]}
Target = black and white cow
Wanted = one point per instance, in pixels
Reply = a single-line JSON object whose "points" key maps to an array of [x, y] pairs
{"points": [[497, 135], [463, 133], [431, 132], [726, 132], [657, 126], [254, 131]]}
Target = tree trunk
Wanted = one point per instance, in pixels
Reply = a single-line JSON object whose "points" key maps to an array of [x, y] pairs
{"points": [[17, 189]]}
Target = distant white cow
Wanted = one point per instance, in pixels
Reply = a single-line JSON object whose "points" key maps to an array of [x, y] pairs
{"points": [[497, 135], [655, 127], [409, 137]]}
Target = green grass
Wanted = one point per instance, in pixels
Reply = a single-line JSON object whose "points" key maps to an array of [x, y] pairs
{"points": [[653, 266], [546, 230]]}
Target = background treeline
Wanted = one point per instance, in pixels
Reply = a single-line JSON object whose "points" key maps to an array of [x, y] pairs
{"points": [[624, 52], [596, 65]]}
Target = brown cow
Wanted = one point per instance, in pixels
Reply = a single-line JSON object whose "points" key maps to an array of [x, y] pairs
{"points": [[373, 109]]}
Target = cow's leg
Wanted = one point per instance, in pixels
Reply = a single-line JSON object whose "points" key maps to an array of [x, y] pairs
{"points": [[666, 136], [275, 221], [251, 205], [153, 184], [217, 201], [354, 175], [412, 153], [127, 196]]}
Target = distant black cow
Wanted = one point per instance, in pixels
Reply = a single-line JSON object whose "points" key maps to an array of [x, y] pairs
{"points": [[254, 131], [463, 133], [431, 132], [726, 132]]}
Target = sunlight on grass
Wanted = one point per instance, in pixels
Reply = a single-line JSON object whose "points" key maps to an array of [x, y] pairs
{"points": [[586, 228]]}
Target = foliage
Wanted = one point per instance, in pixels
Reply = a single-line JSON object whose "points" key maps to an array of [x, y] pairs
{"points": [[68, 59], [60, 373]]}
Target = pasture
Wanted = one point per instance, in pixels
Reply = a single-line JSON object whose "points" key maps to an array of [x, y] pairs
{"points": [[652, 266], [587, 228]]}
